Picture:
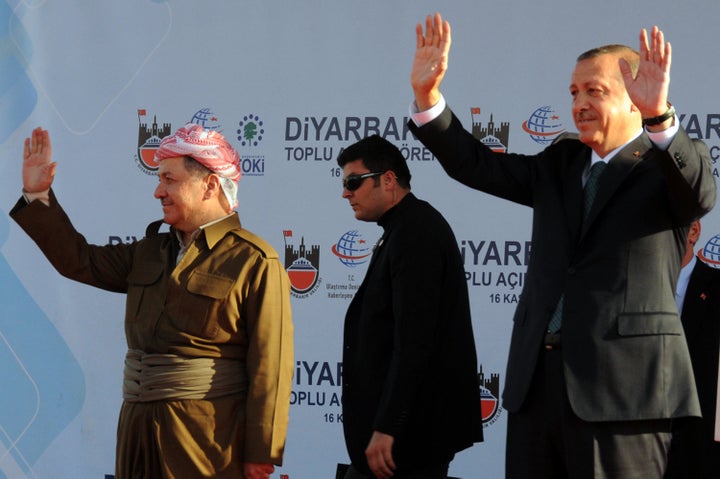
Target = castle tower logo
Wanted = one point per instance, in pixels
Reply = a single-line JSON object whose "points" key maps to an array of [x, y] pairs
{"points": [[149, 138], [302, 266], [493, 136], [489, 397]]}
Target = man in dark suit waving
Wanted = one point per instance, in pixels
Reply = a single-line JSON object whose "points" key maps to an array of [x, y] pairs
{"points": [[694, 453], [598, 363]]}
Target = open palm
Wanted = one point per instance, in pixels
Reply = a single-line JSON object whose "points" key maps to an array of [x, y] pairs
{"points": [[38, 169], [649, 89], [431, 59]]}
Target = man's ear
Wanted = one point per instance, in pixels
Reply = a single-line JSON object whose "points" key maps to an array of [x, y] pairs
{"points": [[694, 233], [212, 186], [389, 177]]}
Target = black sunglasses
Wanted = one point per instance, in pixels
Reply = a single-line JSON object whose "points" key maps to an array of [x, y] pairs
{"points": [[353, 182]]}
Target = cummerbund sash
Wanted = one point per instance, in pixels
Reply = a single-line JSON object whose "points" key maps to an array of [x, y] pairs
{"points": [[157, 377]]}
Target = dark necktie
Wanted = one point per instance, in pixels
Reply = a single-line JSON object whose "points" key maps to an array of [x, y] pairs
{"points": [[591, 187]]}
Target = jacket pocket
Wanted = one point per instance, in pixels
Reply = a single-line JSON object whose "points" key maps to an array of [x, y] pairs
{"points": [[208, 284], [204, 305], [141, 303], [641, 324]]}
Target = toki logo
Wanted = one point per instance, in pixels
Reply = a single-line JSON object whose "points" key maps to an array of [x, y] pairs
{"points": [[251, 130], [250, 133]]}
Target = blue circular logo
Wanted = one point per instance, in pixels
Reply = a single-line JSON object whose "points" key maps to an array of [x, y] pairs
{"points": [[544, 125], [207, 119], [351, 249], [711, 252]]}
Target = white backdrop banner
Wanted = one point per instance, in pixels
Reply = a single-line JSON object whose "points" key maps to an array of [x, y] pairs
{"points": [[289, 84]]}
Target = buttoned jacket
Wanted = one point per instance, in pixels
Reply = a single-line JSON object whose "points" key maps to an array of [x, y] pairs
{"points": [[228, 297]]}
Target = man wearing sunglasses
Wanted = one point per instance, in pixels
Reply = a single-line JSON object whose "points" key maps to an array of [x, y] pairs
{"points": [[410, 392]]}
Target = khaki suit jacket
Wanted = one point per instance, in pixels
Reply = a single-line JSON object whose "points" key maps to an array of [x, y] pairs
{"points": [[228, 297]]}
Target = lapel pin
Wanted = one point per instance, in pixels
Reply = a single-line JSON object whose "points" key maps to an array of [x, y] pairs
{"points": [[636, 153], [703, 296]]}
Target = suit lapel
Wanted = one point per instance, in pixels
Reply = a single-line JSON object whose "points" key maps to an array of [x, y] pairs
{"points": [[617, 170]]}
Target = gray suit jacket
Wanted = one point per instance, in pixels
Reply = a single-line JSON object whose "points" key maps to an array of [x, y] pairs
{"points": [[624, 351]]}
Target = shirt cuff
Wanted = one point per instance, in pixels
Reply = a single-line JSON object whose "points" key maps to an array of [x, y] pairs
{"points": [[662, 139], [43, 196], [422, 117]]}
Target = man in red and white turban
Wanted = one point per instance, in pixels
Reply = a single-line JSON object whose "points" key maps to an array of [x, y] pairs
{"points": [[208, 372]]}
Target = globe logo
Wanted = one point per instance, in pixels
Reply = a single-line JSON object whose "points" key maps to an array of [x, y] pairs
{"points": [[351, 249], [207, 119], [710, 254], [544, 125]]}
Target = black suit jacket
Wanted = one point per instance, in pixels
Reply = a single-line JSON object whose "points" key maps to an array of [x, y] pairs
{"points": [[409, 362], [693, 451], [624, 352]]}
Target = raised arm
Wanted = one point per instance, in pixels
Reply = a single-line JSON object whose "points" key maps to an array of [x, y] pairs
{"points": [[431, 59]]}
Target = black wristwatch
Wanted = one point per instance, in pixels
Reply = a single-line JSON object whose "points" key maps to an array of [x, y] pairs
{"points": [[656, 120]]}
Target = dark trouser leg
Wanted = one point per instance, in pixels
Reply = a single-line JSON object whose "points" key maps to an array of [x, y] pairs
{"points": [[547, 440]]}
